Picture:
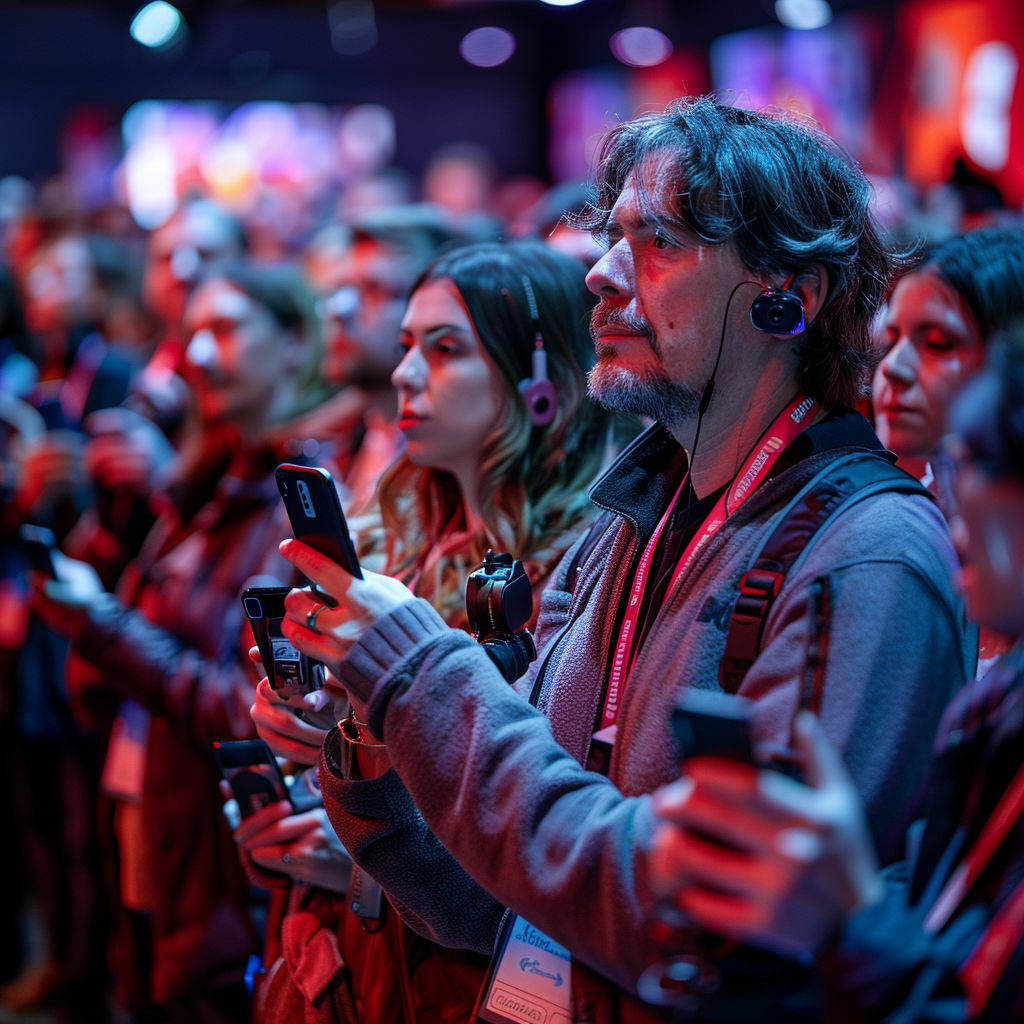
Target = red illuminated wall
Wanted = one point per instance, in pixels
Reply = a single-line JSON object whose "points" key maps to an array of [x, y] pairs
{"points": [[963, 90]]}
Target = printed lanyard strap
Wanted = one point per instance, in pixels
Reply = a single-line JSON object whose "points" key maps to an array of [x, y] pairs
{"points": [[1003, 818], [789, 424]]}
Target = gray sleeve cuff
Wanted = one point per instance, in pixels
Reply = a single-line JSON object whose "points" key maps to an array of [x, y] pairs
{"points": [[386, 643]]}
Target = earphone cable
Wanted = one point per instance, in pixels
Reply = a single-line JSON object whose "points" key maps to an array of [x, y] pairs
{"points": [[709, 390]]}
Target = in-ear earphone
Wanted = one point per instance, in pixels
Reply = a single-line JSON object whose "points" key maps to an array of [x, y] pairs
{"points": [[775, 310], [538, 392], [778, 310]]}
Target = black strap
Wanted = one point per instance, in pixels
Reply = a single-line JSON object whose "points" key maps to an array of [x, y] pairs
{"points": [[840, 485]]}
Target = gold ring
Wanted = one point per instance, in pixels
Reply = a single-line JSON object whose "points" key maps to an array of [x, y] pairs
{"points": [[311, 617]]}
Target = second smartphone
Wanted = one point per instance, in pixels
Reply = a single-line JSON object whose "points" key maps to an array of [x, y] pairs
{"points": [[290, 672]]}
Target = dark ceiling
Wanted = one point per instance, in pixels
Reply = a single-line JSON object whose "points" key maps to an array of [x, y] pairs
{"points": [[54, 57]]}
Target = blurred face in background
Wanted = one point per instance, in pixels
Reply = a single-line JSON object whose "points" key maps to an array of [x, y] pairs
{"points": [[989, 538], [180, 253], [238, 359], [363, 315], [451, 394], [61, 287], [934, 346]]}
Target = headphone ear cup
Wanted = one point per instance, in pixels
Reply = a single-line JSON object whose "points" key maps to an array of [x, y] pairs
{"points": [[778, 311], [541, 400]]}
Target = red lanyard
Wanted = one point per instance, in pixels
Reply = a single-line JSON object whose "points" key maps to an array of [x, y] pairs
{"points": [[1004, 817], [981, 971], [789, 424]]}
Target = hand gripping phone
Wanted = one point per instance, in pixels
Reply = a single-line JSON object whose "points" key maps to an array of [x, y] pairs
{"points": [[290, 672], [252, 772], [314, 511]]}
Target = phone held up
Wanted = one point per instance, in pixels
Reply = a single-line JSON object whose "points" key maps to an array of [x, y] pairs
{"points": [[289, 672], [253, 774], [711, 724], [314, 511]]}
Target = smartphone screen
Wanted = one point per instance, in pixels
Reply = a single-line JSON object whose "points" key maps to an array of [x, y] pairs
{"points": [[252, 772]]}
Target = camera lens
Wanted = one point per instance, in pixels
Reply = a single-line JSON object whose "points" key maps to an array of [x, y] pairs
{"points": [[776, 314], [253, 608]]}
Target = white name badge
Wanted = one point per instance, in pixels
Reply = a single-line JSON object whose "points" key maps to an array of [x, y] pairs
{"points": [[532, 980]]}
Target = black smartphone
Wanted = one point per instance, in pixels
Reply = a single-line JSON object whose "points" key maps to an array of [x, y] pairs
{"points": [[39, 542], [713, 724], [253, 774], [290, 672], [311, 500]]}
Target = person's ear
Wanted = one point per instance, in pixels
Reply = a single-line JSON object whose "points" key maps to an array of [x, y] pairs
{"points": [[811, 284]]}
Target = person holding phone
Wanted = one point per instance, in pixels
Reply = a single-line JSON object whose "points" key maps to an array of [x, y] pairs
{"points": [[162, 667], [478, 473], [754, 856], [742, 275]]}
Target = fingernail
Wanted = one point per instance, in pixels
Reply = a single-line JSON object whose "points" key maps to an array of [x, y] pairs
{"points": [[317, 700]]}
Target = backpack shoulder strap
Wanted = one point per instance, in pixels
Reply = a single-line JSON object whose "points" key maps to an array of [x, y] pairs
{"points": [[840, 485]]}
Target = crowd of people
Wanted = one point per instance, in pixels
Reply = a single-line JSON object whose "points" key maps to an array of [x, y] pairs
{"points": [[763, 466]]}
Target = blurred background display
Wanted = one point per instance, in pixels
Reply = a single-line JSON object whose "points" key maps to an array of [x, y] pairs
{"points": [[292, 113]]}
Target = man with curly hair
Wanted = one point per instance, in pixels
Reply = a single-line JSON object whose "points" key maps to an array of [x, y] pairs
{"points": [[742, 272]]}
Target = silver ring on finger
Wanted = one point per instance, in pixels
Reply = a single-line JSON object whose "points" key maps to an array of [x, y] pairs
{"points": [[311, 617]]}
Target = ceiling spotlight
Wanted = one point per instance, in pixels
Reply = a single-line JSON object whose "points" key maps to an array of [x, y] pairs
{"points": [[156, 24], [562, 3], [641, 47], [803, 14], [487, 47]]}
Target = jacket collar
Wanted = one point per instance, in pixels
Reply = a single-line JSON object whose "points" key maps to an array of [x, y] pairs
{"points": [[640, 483]]}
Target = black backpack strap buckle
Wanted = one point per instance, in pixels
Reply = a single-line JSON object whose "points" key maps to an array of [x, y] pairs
{"points": [[758, 589]]}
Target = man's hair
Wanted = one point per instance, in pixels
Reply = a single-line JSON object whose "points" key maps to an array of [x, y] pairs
{"points": [[987, 268], [785, 194]]}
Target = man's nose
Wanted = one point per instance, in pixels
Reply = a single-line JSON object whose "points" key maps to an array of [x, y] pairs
{"points": [[611, 277], [900, 363], [202, 349]]}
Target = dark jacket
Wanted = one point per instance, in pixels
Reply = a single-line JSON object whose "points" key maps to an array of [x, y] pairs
{"points": [[176, 642], [881, 965], [501, 784]]}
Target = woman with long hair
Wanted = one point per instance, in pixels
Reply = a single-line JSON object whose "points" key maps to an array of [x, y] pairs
{"points": [[935, 331], [494, 459]]}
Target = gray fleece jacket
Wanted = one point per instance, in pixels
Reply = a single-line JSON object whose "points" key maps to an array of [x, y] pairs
{"points": [[504, 805]]}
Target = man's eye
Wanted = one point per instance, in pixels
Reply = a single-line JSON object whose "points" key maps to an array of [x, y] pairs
{"points": [[661, 242]]}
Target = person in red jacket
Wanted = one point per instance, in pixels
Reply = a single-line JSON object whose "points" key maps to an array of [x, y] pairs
{"points": [[162, 668]]}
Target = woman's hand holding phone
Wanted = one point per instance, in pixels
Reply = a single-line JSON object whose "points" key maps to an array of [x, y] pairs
{"points": [[275, 842], [283, 731], [360, 603]]}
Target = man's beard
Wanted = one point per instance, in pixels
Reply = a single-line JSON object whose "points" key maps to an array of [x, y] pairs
{"points": [[651, 394]]}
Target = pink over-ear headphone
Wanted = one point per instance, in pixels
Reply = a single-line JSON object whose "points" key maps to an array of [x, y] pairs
{"points": [[538, 392]]}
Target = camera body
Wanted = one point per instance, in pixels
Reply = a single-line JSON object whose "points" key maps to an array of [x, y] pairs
{"points": [[499, 603]]}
